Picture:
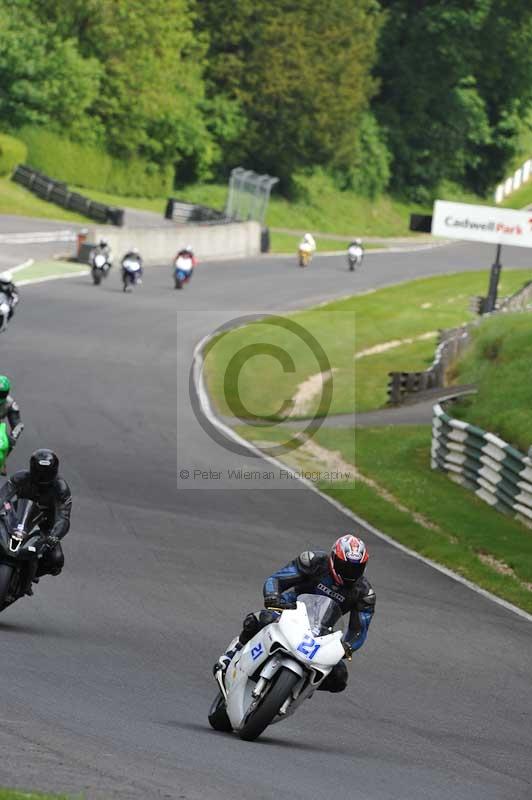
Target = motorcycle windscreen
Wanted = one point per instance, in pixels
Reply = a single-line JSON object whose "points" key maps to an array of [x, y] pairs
{"points": [[324, 613], [27, 514]]}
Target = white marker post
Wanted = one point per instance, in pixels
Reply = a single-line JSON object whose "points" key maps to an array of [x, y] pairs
{"points": [[483, 224]]}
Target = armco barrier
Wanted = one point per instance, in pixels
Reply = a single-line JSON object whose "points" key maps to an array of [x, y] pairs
{"points": [[58, 192], [482, 462], [160, 245], [451, 344], [403, 384]]}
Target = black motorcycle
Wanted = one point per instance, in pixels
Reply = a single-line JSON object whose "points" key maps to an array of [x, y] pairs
{"points": [[22, 545]]}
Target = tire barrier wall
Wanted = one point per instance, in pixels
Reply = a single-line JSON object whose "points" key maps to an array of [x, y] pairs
{"points": [[182, 212], [160, 245], [59, 193], [495, 471]]}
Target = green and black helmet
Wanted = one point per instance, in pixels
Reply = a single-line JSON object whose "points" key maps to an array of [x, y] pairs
{"points": [[5, 387]]}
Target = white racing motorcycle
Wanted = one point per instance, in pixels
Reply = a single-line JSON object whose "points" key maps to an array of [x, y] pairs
{"points": [[5, 311], [279, 668], [355, 254]]}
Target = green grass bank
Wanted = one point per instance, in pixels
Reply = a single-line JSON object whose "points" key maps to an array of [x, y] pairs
{"points": [[399, 321]]}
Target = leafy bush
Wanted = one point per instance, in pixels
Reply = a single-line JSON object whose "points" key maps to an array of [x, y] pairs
{"points": [[370, 174], [12, 152], [93, 168]]}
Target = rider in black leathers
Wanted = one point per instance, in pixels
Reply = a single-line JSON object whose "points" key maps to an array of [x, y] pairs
{"points": [[339, 575], [42, 484]]}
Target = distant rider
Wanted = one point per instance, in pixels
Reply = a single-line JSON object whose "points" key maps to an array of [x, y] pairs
{"points": [[10, 410], [10, 290], [134, 255], [308, 243], [357, 246], [339, 575], [188, 252], [43, 485], [103, 248]]}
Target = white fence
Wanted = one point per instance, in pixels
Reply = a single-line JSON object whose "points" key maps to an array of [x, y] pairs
{"points": [[514, 182]]}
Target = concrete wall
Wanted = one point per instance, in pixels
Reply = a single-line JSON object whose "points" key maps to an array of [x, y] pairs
{"points": [[159, 245]]}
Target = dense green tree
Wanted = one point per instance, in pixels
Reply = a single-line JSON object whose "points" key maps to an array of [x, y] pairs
{"points": [[454, 80], [299, 72], [151, 99], [43, 77]]}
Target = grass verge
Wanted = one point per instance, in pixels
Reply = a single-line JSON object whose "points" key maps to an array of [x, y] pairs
{"points": [[499, 362], [288, 243], [419, 507], [14, 199], [13, 794], [328, 210], [47, 269], [343, 329]]}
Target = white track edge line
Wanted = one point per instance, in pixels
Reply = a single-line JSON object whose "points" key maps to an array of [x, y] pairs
{"points": [[221, 426]]}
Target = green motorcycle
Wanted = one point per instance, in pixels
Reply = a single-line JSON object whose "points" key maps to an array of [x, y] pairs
{"points": [[4, 446]]}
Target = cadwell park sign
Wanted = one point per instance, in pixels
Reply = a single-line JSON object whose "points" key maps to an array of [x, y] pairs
{"points": [[482, 224]]}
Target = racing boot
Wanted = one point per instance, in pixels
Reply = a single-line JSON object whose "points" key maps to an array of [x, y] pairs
{"points": [[224, 661]]}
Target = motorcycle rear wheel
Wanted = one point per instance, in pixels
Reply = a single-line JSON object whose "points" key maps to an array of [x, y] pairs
{"points": [[285, 681], [6, 573], [218, 718]]}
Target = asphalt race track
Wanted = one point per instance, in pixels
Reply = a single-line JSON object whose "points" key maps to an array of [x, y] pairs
{"points": [[106, 671]]}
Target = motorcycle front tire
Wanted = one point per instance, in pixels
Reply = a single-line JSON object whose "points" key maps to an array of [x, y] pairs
{"points": [[218, 718], [284, 682], [96, 277]]}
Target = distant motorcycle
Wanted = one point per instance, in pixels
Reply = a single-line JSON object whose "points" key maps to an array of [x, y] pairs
{"points": [[131, 270], [22, 545], [5, 311], [101, 264], [355, 255], [183, 267], [8, 299], [304, 254]]}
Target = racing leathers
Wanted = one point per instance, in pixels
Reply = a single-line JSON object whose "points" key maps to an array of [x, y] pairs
{"points": [[55, 499], [9, 409], [309, 574]]}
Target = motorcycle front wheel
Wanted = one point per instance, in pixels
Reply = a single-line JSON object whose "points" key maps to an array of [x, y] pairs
{"points": [[284, 682], [96, 278], [6, 573], [218, 718]]}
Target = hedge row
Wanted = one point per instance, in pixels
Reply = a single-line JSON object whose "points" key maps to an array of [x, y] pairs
{"points": [[92, 168], [12, 152]]}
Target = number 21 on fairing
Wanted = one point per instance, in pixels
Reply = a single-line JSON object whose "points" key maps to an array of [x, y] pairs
{"points": [[308, 647]]}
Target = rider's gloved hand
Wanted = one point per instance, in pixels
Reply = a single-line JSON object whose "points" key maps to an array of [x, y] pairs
{"points": [[348, 651], [272, 600], [276, 601], [51, 542]]}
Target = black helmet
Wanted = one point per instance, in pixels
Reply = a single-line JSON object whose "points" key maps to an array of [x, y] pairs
{"points": [[44, 466]]}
